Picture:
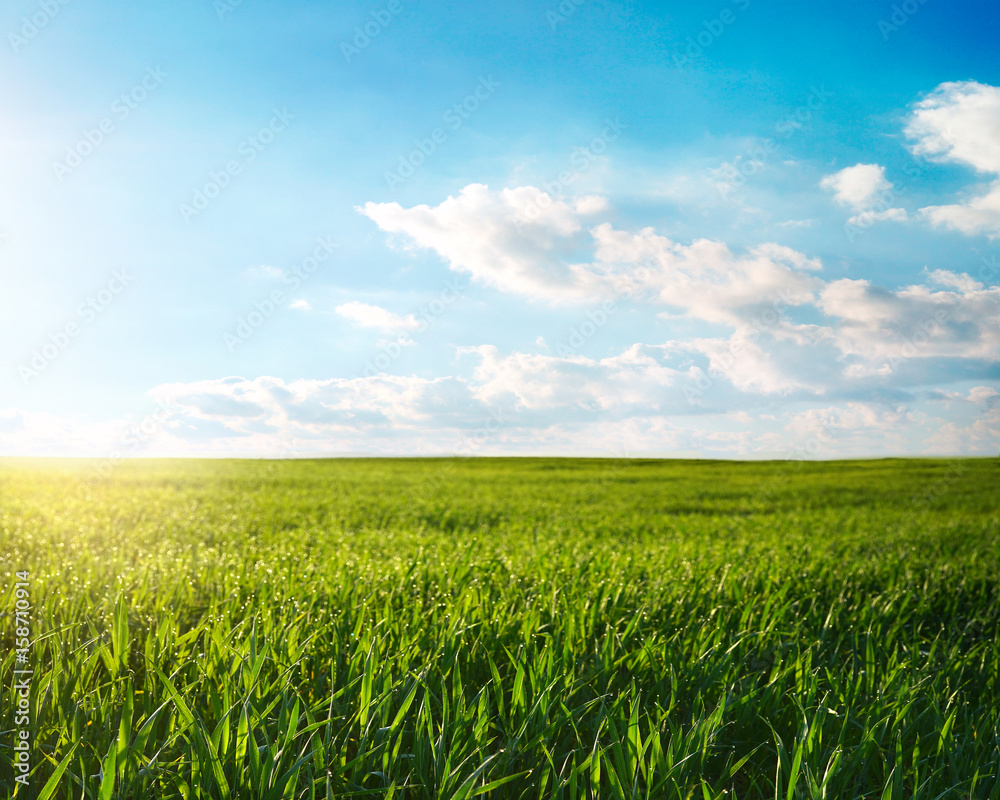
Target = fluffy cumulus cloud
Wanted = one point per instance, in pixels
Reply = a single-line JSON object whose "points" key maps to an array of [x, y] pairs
{"points": [[846, 427], [552, 254], [865, 189], [705, 279], [857, 186], [638, 381], [519, 240], [779, 359], [979, 214], [958, 323], [960, 122]]}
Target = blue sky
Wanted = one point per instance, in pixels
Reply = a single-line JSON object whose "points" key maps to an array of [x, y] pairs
{"points": [[736, 229]]}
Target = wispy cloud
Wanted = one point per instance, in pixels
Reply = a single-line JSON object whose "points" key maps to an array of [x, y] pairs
{"points": [[365, 315]]}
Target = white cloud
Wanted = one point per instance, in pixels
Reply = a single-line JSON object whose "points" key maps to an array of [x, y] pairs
{"points": [[485, 233], [960, 122], [866, 218], [779, 359], [301, 305], [529, 402], [590, 204], [517, 240], [981, 436], [859, 186], [848, 429], [870, 334], [963, 282], [981, 394], [978, 215], [307, 405], [978, 395], [705, 279], [364, 315], [877, 325], [637, 381], [625, 408]]}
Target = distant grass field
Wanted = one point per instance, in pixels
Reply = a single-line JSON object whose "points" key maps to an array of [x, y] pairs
{"points": [[508, 628]]}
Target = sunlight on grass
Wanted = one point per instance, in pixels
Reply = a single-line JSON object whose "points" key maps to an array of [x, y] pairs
{"points": [[508, 628]]}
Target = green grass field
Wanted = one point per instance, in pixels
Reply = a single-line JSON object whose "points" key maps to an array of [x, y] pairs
{"points": [[505, 628]]}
